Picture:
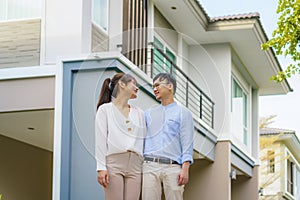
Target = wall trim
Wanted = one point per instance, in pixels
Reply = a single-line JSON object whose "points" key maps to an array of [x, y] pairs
{"points": [[27, 72]]}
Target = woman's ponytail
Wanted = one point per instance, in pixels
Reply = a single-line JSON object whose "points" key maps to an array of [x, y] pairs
{"points": [[105, 94]]}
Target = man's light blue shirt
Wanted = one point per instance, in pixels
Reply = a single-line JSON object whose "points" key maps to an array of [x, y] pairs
{"points": [[170, 133]]}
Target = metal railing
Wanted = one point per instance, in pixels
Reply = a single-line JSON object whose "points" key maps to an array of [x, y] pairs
{"points": [[187, 92]]}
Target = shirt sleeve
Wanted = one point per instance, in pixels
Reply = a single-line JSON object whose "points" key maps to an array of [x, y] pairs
{"points": [[187, 136], [143, 123], [146, 128], [101, 132]]}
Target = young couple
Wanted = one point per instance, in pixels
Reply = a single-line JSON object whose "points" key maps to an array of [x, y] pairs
{"points": [[131, 146]]}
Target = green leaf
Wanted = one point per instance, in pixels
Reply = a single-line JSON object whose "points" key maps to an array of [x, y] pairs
{"points": [[286, 37]]}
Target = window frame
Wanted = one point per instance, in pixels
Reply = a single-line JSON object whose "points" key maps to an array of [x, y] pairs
{"points": [[246, 140], [290, 177], [290, 158], [166, 48], [271, 161]]}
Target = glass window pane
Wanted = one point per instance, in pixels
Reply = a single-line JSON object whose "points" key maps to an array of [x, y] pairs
{"points": [[239, 112], [172, 57], [158, 44], [245, 109], [245, 139], [2, 10], [158, 62], [271, 161], [100, 14], [20, 9]]}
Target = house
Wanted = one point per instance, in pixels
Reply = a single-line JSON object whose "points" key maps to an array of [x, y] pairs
{"points": [[53, 58], [280, 169]]}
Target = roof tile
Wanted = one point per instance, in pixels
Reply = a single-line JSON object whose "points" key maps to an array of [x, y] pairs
{"points": [[236, 17]]}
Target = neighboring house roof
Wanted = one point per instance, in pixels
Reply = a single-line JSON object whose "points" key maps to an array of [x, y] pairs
{"points": [[289, 138], [274, 131]]}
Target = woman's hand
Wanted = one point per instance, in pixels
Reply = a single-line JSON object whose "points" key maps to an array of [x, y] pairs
{"points": [[103, 178]]}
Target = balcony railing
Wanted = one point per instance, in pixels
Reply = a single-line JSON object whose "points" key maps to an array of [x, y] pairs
{"points": [[187, 92]]}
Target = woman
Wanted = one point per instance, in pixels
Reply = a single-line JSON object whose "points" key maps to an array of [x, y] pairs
{"points": [[120, 130]]}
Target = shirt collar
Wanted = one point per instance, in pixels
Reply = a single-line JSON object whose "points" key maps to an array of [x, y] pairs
{"points": [[169, 105]]}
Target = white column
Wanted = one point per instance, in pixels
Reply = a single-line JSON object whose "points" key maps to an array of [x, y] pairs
{"points": [[115, 24]]}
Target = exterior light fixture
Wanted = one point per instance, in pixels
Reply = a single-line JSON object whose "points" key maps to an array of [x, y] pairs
{"points": [[232, 174], [261, 191], [119, 47]]}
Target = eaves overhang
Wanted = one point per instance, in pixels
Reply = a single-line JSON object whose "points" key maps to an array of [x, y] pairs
{"points": [[288, 137], [243, 32], [292, 143]]}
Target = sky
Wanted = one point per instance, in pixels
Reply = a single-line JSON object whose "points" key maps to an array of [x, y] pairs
{"points": [[285, 107]]}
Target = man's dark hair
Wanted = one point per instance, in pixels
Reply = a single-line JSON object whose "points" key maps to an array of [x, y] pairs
{"points": [[168, 77]]}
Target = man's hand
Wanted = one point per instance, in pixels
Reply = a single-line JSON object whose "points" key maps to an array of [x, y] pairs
{"points": [[183, 176], [103, 178]]}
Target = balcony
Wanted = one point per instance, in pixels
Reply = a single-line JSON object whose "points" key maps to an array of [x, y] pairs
{"points": [[187, 92]]}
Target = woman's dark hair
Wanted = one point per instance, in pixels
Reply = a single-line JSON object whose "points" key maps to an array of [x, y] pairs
{"points": [[109, 90]]}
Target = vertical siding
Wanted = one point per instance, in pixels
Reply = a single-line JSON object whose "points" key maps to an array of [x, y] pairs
{"points": [[20, 43], [135, 32]]}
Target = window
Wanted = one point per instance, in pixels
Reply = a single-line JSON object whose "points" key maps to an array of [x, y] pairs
{"points": [[100, 13], [271, 161], [163, 59], [297, 183], [239, 111], [290, 176], [20, 9]]}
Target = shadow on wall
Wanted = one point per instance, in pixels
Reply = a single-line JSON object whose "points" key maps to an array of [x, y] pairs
{"points": [[25, 171]]}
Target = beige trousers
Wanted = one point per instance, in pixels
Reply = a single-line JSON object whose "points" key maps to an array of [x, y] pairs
{"points": [[125, 174], [156, 174]]}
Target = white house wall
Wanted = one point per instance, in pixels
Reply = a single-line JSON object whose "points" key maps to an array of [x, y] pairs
{"points": [[115, 23], [275, 187], [210, 68], [27, 94], [165, 30], [68, 28], [255, 124], [184, 56]]}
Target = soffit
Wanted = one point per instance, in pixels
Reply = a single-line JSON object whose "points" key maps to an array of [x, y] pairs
{"points": [[34, 127], [244, 33], [27, 110]]}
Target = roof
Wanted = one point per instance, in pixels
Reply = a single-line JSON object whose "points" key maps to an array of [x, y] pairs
{"points": [[251, 15], [289, 138], [236, 17], [274, 131], [253, 63]]}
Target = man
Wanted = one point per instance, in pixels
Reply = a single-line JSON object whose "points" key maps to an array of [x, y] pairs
{"points": [[168, 145]]}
